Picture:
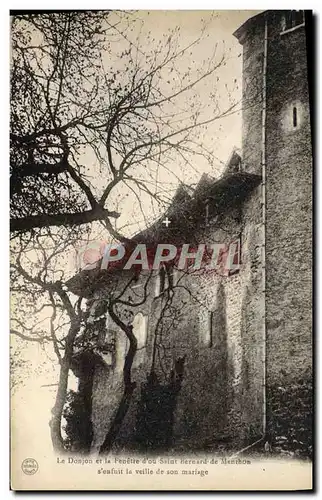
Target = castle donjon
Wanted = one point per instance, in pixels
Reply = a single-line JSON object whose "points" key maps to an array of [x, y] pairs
{"points": [[223, 359]]}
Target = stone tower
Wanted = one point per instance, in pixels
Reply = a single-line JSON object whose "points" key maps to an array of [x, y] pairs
{"points": [[277, 145]]}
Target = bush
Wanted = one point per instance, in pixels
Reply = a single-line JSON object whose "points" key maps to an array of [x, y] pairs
{"points": [[78, 426]]}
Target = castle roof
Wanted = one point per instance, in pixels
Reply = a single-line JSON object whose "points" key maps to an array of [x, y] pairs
{"points": [[186, 212]]}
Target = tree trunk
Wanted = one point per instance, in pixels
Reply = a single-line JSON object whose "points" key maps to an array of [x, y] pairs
{"points": [[57, 410], [129, 386], [118, 419]]}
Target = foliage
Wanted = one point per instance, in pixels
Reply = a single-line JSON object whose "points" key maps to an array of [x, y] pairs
{"points": [[290, 419], [78, 425]]}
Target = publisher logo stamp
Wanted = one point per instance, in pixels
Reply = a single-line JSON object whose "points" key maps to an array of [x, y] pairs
{"points": [[29, 466]]}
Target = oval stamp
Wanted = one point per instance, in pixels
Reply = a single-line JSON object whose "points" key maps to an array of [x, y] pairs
{"points": [[29, 466]]}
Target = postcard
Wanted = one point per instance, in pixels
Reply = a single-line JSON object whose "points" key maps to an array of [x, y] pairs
{"points": [[161, 250]]}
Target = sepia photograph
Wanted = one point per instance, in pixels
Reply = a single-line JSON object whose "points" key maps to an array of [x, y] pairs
{"points": [[161, 323]]}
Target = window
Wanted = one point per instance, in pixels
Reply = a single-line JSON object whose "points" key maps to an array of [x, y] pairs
{"points": [[205, 326], [238, 167], [140, 329], [167, 278], [294, 117], [292, 19], [234, 257], [160, 282]]}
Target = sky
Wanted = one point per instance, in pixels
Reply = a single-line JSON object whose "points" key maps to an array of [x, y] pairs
{"points": [[222, 24], [221, 136], [146, 30]]}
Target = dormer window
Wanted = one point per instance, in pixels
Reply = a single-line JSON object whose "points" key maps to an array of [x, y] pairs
{"points": [[234, 163], [292, 19], [237, 166]]}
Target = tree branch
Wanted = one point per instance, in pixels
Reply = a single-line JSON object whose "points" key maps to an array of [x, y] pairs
{"points": [[68, 219]]}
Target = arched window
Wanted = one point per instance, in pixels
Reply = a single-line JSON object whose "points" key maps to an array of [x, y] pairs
{"points": [[140, 329]]}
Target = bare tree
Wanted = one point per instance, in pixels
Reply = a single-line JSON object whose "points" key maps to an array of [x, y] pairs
{"points": [[88, 117], [58, 318], [45, 313]]}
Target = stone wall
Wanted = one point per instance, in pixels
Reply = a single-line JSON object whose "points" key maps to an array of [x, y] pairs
{"points": [[217, 400], [253, 53], [288, 222]]}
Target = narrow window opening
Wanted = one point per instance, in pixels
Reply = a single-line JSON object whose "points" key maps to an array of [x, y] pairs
{"points": [[294, 117], [162, 279], [160, 282], [206, 327], [140, 330], [167, 279], [210, 340], [169, 274]]}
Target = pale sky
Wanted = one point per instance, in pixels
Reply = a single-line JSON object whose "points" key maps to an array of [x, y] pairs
{"points": [[221, 136]]}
